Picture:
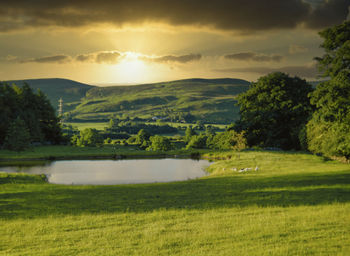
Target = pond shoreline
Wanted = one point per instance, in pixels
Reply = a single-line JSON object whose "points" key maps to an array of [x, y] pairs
{"points": [[110, 172], [104, 157]]}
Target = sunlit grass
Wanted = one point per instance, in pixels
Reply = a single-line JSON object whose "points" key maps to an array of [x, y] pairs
{"points": [[83, 125], [295, 204]]}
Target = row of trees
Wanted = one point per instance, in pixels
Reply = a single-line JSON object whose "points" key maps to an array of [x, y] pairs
{"points": [[286, 112], [26, 117]]}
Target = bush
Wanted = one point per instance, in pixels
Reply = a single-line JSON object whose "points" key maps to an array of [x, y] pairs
{"points": [[159, 143], [87, 137], [229, 140]]}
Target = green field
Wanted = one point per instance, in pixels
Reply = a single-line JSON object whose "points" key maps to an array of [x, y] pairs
{"points": [[101, 125], [295, 204], [83, 125]]}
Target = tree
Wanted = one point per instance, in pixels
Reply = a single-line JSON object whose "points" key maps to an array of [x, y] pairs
{"points": [[229, 139], [17, 136], [189, 133], [337, 49], [88, 137], [9, 109], [274, 110], [328, 130], [33, 108], [198, 141], [143, 138], [159, 143], [48, 121], [30, 112]]}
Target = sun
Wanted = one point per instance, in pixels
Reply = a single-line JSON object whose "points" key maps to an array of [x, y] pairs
{"points": [[131, 69]]}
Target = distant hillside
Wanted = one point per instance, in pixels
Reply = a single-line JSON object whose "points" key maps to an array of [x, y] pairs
{"points": [[55, 88], [210, 100]]}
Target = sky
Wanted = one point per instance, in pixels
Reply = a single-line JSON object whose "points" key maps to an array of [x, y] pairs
{"points": [[143, 41]]}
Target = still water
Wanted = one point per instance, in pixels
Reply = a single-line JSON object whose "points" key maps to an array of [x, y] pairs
{"points": [[110, 172]]}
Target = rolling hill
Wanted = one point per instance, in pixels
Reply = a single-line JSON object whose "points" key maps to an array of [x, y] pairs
{"points": [[55, 88], [210, 100]]}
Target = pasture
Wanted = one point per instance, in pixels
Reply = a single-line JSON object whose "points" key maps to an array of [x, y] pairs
{"points": [[295, 204]]}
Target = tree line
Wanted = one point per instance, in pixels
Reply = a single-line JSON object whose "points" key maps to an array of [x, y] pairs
{"points": [[26, 118]]}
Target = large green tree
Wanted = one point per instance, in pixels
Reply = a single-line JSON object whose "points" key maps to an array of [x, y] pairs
{"points": [[33, 108], [336, 45], [274, 111], [328, 132]]}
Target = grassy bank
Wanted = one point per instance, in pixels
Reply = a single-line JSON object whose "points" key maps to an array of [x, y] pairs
{"points": [[70, 152], [295, 204]]}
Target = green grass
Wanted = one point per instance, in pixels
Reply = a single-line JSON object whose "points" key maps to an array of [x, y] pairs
{"points": [[70, 152], [295, 204], [83, 125], [102, 125]]}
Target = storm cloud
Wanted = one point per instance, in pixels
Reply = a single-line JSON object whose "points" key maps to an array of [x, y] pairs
{"points": [[173, 58], [252, 56], [307, 71], [232, 15]]}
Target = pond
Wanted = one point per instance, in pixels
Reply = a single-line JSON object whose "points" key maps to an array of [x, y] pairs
{"points": [[111, 172]]}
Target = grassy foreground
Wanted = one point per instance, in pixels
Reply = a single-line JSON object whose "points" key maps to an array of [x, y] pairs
{"points": [[295, 204]]}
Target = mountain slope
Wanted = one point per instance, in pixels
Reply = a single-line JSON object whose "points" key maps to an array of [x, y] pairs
{"points": [[56, 88], [210, 100]]}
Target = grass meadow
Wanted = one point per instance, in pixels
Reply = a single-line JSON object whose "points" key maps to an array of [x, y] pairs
{"points": [[295, 204]]}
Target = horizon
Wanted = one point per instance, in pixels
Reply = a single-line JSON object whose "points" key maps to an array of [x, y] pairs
{"points": [[135, 84], [137, 42]]}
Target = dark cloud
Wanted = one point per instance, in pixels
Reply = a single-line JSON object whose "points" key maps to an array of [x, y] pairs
{"points": [[173, 58], [308, 71], [60, 59], [252, 56], [108, 57], [331, 12], [85, 58], [240, 15]]}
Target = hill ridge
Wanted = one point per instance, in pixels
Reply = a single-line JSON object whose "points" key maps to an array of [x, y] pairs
{"points": [[211, 100]]}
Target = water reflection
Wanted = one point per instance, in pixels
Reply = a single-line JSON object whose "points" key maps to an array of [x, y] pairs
{"points": [[109, 172]]}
